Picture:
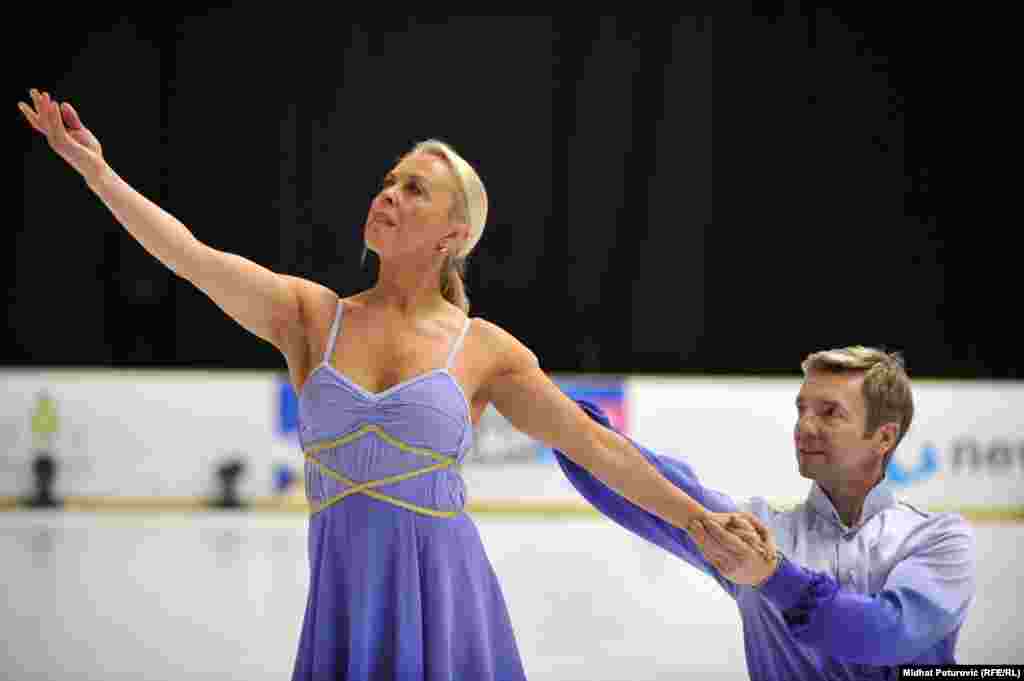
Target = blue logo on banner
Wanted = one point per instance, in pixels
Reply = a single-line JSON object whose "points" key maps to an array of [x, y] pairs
{"points": [[287, 409], [284, 475], [926, 467], [609, 395]]}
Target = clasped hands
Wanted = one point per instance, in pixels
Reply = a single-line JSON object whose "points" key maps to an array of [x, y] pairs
{"points": [[738, 545]]}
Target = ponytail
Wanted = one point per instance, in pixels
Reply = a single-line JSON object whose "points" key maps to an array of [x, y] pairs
{"points": [[453, 289]]}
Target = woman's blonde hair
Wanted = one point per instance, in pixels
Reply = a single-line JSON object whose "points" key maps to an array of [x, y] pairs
{"points": [[470, 206]]}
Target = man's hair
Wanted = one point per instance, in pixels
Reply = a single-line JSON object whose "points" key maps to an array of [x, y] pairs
{"points": [[886, 387]]}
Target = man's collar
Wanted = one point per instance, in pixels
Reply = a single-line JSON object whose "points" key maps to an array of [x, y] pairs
{"points": [[879, 498]]}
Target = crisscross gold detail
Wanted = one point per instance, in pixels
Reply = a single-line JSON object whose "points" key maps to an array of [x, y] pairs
{"points": [[367, 487]]}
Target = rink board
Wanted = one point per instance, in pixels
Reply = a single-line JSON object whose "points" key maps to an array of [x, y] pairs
{"points": [[152, 440]]}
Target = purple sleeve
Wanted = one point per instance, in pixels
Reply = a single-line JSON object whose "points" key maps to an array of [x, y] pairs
{"points": [[924, 599], [640, 522]]}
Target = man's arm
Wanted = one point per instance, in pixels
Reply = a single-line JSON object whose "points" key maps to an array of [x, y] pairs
{"points": [[639, 521], [923, 600]]}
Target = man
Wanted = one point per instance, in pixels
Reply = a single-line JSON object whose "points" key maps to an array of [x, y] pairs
{"points": [[859, 583]]}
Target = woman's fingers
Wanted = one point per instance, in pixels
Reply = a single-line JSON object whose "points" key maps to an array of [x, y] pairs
{"points": [[742, 530], [59, 138], [696, 531], [31, 117], [736, 520], [44, 101], [767, 545], [761, 528], [752, 540], [714, 553], [71, 117], [43, 107], [729, 541], [53, 118], [726, 554], [63, 129], [36, 109], [58, 118]]}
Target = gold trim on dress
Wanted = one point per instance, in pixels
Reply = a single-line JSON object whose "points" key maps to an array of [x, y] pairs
{"points": [[367, 487]]}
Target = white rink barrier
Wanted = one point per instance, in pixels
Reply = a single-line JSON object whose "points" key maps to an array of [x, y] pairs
{"points": [[155, 435]]}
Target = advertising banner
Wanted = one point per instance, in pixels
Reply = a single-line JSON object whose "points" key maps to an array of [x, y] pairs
{"points": [[964, 449], [139, 434], [179, 433]]}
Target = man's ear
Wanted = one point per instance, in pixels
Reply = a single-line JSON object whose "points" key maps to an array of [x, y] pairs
{"points": [[885, 438]]}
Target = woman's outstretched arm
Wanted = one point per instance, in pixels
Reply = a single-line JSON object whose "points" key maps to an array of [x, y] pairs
{"points": [[265, 303], [533, 404]]}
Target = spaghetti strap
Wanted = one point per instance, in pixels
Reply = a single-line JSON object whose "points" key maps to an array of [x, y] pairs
{"points": [[334, 333], [457, 344]]}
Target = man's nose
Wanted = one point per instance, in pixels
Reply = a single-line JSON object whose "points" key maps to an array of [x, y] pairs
{"points": [[805, 426]]}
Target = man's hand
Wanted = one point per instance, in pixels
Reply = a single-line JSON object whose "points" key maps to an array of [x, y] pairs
{"points": [[739, 545]]}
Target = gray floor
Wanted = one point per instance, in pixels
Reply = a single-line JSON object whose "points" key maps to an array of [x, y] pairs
{"points": [[220, 596]]}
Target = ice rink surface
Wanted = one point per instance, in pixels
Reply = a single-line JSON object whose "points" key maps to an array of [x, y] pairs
{"points": [[220, 595]]}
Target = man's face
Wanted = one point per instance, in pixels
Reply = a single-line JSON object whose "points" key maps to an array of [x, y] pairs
{"points": [[831, 446]]}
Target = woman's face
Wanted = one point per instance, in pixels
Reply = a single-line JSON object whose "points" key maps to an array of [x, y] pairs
{"points": [[411, 215]]}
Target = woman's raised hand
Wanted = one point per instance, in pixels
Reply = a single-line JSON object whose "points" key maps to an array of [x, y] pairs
{"points": [[65, 133]]}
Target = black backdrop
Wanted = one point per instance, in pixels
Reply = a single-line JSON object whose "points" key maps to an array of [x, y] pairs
{"points": [[668, 195]]}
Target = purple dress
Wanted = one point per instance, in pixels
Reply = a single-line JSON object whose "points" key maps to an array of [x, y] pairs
{"points": [[400, 586]]}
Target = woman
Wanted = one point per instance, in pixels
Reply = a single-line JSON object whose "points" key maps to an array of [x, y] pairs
{"points": [[391, 381]]}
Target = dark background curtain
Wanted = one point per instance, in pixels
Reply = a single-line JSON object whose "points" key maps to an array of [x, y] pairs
{"points": [[668, 194]]}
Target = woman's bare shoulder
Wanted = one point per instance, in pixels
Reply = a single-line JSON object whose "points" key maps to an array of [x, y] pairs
{"points": [[319, 306], [511, 353], [307, 287]]}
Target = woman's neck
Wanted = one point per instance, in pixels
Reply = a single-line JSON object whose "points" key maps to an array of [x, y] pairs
{"points": [[411, 291]]}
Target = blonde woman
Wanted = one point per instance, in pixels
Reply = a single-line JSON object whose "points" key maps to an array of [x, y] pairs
{"points": [[390, 383]]}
